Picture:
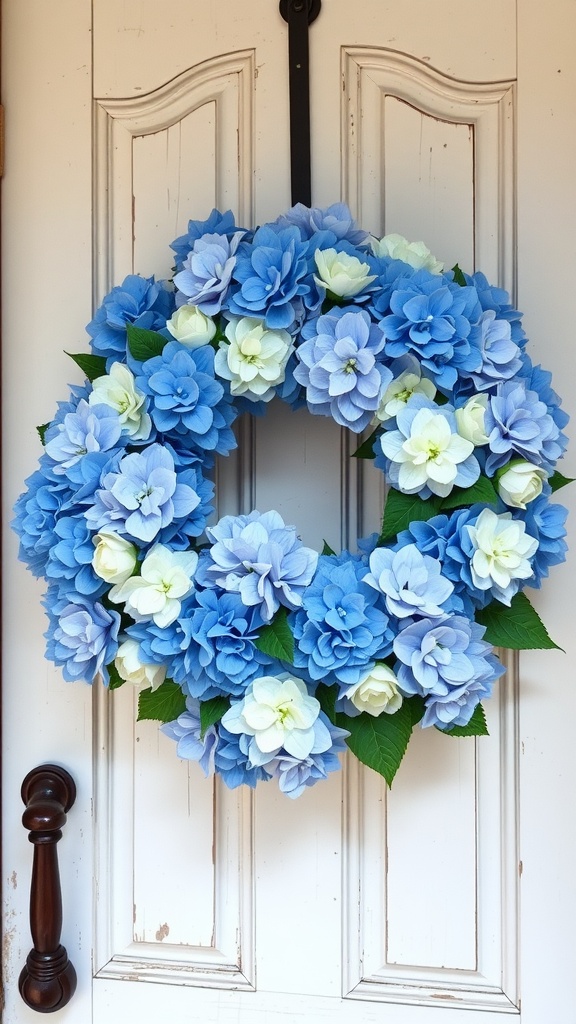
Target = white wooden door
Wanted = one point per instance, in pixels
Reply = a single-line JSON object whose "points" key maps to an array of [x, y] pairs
{"points": [[448, 122]]}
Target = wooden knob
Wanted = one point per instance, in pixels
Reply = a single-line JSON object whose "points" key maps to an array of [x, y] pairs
{"points": [[48, 980]]}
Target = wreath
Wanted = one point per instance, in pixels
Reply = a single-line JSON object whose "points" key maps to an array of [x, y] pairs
{"points": [[261, 657]]}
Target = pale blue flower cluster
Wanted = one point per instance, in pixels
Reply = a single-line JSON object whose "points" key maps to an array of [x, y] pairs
{"points": [[276, 654]]}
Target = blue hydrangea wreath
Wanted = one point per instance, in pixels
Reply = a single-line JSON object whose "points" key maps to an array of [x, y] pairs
{"points": [[262, 657]]}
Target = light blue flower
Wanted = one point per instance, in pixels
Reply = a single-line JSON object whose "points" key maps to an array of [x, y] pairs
{"points": [[71, 556], [412, 583], [138, 300], [270, 276], [217, 223], [186, 399], [82, 636], [336, 219], [518, 422], [233, 762], [260, 558], [339, 368], [433, 320], [207, 271], [340, 630], [143, 496], [500, 356], [498, 300], [90, 428], [449, 664], [190, 743], [295, 775], [545, 521], [36, 512]]}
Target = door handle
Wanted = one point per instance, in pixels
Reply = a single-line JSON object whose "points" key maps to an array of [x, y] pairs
{"points": [[48, 980]]}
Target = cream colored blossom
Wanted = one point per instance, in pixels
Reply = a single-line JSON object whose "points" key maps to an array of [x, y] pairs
{"points": [[255, 359], [114, 558], [376, 692], [118, 390], [470, 419], [132, 670], [191, 327], [520, 482], [341, 274], [165, 578], [415, 254]]}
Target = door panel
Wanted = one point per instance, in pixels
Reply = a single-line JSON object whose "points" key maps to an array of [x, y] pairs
{"points": [[349, 904]]}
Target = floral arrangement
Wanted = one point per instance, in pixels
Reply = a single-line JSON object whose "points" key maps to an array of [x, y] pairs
{"points": [[261, 657]]}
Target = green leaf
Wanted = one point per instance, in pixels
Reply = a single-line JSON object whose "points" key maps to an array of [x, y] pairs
{"points": [[557, 480], [326, 549], [458, 276], [91, 366], [366, 449], [379, 742], [476, 726], [163, 704], [277, 639], [144, 344], [327, 697], [518, 627], [211, 711], [42, 431], [402, 509], [417, 707], [483, 490], [116, 680]]}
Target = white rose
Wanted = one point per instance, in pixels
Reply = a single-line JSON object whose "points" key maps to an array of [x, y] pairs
{"points": [[165, 578], [520, 482], [132, 670], [377, 692], [399, 391], [191, 327], [255, 360], [470, 419], [118, 390], [114, 558], [415, 254], [342, 274]]}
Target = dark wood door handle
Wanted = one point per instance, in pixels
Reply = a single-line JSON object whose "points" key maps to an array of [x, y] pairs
{"points": [[48, 980]]}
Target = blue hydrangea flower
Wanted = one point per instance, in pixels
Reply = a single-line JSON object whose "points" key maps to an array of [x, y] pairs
{"points": [[340, 630], [233, 762], [186, 399], [207, 271], [143, 496], [216, 224], [82, 636], [35, 516], [433, 320], [178, 533], [498, 300], [448, 663], [540, 381], [270, 275], [339, 369], [500, 356], [294, 775], [138, 300], [518, 422], [260, 558], [191, 745], [545, 522], [71, 554], [412, 583], [90, 428], [335, 219]]}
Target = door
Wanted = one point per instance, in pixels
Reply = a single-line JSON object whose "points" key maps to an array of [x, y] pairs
{"points": [[449, 900]]}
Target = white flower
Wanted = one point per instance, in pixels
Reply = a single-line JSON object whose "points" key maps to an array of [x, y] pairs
{"points": [[415, 254], [399, 391], [342, 274], [191, 327], [377, 692], [429, 456], [277, 713], [114, 558], [501, 550], [166, 577], [132, 670], [520, 482], [470, 419], [118, 390], [255, 360]]}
